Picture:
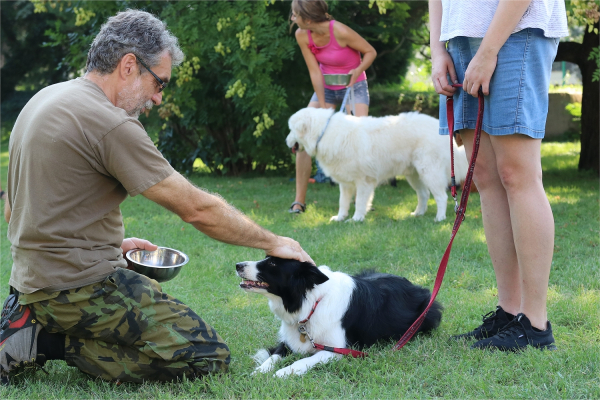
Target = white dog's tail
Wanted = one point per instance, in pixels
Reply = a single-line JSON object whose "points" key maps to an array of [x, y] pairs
{"points": [[461, 164]]}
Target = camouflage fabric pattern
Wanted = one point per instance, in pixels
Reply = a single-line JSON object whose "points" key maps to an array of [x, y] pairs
{"points": [[127, 329]]}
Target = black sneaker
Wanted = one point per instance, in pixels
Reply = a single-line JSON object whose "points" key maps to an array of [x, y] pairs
{"points": [[19, 332], [517, 335], [492, 323]]}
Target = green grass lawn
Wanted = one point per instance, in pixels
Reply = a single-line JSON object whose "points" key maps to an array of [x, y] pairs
{"points": [[389, 240]]}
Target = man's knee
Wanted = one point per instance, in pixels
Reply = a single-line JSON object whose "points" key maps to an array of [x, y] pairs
{"points": [[223, 357]]}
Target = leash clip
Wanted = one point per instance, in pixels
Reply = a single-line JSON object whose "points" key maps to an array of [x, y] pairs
{"points": [[455, 205], [458, 210], [303, 331]]}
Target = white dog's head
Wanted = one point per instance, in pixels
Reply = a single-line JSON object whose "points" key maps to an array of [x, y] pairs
{"points": [[305, 127]]}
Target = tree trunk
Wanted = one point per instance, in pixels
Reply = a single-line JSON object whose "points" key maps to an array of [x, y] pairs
{"points": [[578, 53]]}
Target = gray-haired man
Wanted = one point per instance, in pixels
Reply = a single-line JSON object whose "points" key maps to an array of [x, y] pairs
{"points": [[71, 164]]}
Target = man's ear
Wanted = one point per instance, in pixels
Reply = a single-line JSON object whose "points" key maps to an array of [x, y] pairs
{"points": [[128, 66]]}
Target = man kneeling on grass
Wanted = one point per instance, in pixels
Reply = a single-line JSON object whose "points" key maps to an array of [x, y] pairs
{"points": [[76, 151]]}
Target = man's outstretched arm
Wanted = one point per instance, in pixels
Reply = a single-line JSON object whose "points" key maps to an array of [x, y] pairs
{"points": [[213, 216]]}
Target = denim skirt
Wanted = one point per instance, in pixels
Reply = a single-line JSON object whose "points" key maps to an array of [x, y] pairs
{"points": [[361, 94], [518, 99]]}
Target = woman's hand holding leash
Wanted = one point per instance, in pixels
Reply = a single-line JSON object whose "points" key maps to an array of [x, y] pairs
{"points": [[355, 74], [442, 67], [479, 73]]}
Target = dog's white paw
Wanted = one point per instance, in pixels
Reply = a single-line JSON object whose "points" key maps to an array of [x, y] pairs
{"points": [[439, 218], [357, 218], [267, 364], [261, 356], [262, 369], [417, 213], [287, 371], [338, 218]]}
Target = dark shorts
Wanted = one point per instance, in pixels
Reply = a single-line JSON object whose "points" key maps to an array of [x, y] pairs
{"points": [[361, 94]]}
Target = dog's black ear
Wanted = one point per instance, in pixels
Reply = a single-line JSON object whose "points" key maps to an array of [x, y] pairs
{"points": [[314, 274], [304, 278]]}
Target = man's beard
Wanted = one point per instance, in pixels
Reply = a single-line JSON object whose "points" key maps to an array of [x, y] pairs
{"points": [[135, 113], [131, 99]]}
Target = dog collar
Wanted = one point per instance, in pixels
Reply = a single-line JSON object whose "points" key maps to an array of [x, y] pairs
{"points": [[312, 311]]}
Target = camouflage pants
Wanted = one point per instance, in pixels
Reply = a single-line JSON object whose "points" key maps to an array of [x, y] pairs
{"points": [[126, 328]]}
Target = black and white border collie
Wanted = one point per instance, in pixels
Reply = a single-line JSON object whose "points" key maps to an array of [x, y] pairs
{"points": [[341, 310]]}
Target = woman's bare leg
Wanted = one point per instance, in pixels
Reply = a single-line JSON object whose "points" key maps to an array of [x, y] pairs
{"points": [[520, 169], [362, 110], [496, 222], [518, 221], [304, 167]]}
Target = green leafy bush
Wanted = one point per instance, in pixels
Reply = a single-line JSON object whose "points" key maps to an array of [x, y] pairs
{"points": [[574, 109], [243, 76], [406, 97]]}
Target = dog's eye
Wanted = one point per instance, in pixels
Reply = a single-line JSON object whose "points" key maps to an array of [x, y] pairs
{"points": [[271, 264]]}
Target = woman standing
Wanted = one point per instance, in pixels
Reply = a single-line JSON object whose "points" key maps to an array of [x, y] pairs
{"points": [[328, 47], [506, 49]]}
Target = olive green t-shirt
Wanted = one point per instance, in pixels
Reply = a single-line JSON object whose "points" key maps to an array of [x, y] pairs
{"points": [[73, 158]]}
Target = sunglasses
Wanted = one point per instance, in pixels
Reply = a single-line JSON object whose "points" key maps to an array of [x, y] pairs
{"points": [[161, 85]]}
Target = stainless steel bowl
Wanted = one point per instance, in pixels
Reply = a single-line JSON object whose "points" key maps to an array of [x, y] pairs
{"points": [[162, 264], [337, 79]]}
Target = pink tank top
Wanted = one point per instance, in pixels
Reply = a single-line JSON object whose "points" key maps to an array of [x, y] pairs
{"points": [[334, 59]]}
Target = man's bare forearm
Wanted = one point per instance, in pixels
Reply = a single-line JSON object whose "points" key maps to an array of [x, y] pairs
{"points": [[209, 213], [213, 216], [223, 222]]}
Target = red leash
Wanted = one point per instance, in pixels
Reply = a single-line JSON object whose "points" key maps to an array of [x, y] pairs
{"points": [[460, 216], [353, 353], [459, 209]]}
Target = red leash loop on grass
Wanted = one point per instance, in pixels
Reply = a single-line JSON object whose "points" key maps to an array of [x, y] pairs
{"points": [[460, 212]]}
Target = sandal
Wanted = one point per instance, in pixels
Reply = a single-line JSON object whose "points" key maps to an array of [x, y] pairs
{"points": [[296, 211]]}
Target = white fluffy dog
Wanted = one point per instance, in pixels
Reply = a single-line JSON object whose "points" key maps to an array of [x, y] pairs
{"points": [[361, 152]]}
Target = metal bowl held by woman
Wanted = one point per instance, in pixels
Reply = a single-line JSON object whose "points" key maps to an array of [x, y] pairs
{"points": [[162, 264], [337, 79]]}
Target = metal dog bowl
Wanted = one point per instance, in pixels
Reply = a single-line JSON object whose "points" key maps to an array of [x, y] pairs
{"points": [[162, 264], [337, 79]]}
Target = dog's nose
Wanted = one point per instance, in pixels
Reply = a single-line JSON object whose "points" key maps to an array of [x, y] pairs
{"points": [[240, 266]]}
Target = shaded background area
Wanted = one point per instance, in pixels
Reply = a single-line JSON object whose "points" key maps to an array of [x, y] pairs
{"points": [[244, 75]]}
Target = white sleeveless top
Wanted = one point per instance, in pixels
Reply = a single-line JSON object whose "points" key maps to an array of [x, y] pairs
{"points": [[471, 18]]}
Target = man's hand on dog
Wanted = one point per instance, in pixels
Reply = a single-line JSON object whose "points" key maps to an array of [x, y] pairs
{"points": [[289, 248]]}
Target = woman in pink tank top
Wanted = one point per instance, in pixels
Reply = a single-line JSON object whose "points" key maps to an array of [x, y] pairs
{"points": [[328, 47]]}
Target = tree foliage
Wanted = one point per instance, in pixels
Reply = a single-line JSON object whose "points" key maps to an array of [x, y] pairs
{"points": [[243, 76], [27, 62], [586, 56]]}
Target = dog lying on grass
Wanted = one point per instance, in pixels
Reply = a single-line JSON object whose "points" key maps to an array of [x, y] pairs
{"points": [[334, 309], [361, 152]]}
